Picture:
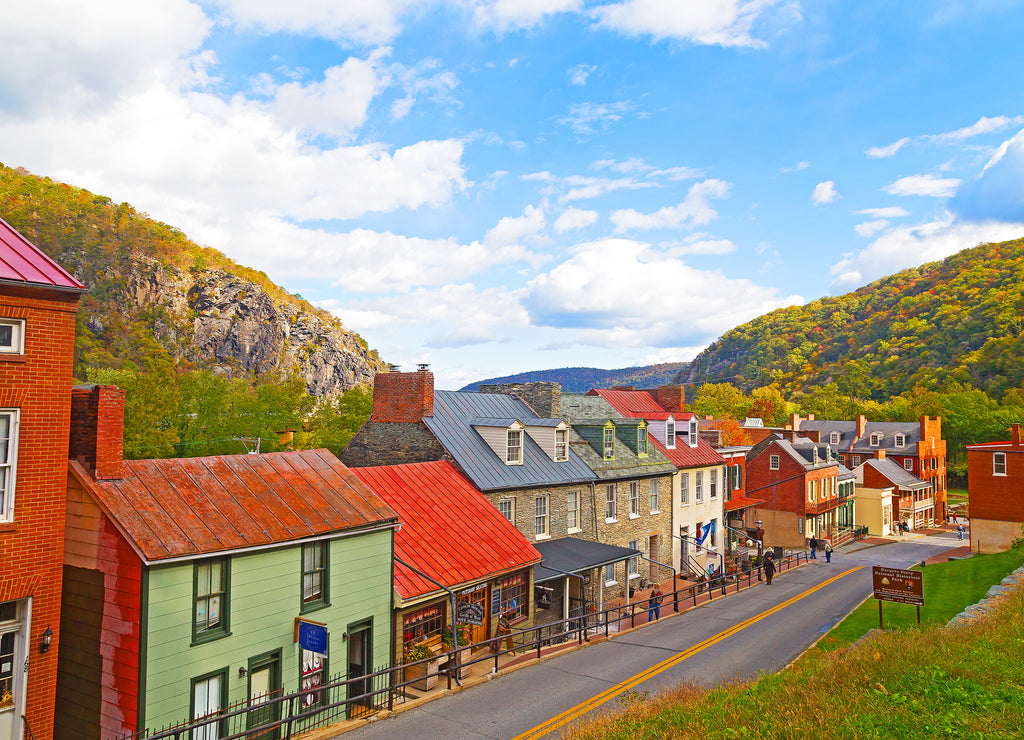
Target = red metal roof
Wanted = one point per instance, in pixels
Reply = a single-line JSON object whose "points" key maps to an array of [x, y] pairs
{"points": [[205, 505], [450, 531], [639, 405], [23, 262], [741, 502], [685, 456]]}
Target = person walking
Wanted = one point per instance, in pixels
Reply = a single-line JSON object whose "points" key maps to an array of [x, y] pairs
{"points": [[654, 603], [954, 518], [814, 549], [828, 551], [960, 531], [769, 569]]}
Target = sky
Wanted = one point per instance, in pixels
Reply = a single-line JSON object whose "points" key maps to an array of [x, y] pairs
{"points": [[497, 186]]}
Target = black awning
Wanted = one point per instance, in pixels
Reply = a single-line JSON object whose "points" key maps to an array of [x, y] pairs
{"points": [[571, 555]]}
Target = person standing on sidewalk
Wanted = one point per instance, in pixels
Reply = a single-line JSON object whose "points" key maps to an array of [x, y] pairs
{"points": [[654, 603], [814, 549], [828, 551], [769, 569]]}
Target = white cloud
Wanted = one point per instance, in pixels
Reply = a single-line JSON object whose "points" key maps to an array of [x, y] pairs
{"points": [[869, 228], [998, 192], [698, 244], [575, 295], [505, 15], [696, 208], [716, 22], [879, 152], [363, 22], [671, 354], [887, 212], [572, 219], [423, 79], [901, 247], [824, 192], [589, 118], [930, 185], [513, 229], [984, 125], [798, 167], [582, 188], [578, 75]]}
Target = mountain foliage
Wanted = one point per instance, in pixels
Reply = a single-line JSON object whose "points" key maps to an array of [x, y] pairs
{"points": [[582, 379]]}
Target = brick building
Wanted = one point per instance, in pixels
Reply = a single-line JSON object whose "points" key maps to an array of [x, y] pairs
{"points": [[995, 492], [38, 302], [913, 500]]}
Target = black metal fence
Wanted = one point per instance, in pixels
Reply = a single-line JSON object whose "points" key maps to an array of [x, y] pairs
{"points": [[283, 716]]}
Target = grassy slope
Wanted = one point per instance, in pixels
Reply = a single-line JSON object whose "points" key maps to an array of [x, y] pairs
{"points": [[929, 683]]}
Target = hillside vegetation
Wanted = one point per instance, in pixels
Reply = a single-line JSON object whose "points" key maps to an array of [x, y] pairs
{"points": [[582, 379], [959, 320]]}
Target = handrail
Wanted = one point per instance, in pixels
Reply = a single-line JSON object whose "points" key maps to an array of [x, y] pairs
{"points": [[28, 727]]}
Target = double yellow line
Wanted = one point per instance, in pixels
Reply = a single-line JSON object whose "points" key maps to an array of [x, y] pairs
{"points": [[574, 713]]}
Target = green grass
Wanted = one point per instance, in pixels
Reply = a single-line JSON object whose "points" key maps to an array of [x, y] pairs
{"points": [[956, 496], [948, 588]]}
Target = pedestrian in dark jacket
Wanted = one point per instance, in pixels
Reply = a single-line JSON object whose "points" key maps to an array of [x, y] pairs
{"points": [[814, 549], [654, 604], [769, 570]]}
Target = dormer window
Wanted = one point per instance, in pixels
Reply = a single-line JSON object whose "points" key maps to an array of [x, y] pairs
{"points": [[876, 439], [901, 440], [12, 336], [561, 445], [670, 433], [609, 443], [693, 433], [641, 441], [514, 447], [814, 455], [834, 438]]}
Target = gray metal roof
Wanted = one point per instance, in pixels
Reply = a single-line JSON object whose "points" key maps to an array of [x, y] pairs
{"points": [[451, 424], [896, 474], [572, 555], [911, 430]]}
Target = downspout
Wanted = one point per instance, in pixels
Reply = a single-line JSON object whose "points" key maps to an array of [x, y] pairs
{"points": [[451, 595]]}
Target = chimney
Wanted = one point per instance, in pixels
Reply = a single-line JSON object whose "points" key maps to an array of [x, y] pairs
{"points": [[97, 430], [544, 397], [794, 422], [623, 387], [403, 396], [862, 424], [1015, 436], [879, 454], [671, 397]]}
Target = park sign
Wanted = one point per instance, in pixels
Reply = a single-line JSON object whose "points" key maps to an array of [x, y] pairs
{"points": [[896, 584]]}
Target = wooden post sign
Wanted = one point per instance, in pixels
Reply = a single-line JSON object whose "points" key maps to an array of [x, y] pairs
{"points": [[471, 613], [898, 585]]}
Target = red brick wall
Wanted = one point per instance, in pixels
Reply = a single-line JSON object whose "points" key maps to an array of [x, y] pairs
{"points": [[996, 497], [403, 396], [97, 430], [39, 384], [784, 489], [672, 397]]}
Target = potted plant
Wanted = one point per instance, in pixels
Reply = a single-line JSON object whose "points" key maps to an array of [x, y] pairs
{"points": [[423, 673], [461, 638]]}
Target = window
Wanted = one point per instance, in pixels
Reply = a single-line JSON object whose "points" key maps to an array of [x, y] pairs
{"points": [[999, 463], [714, 482], [814, 455], [509, 595], [632, 569], [908, 464], [641, 441], [834, 438], [422, 624], [841, 458], [684, 488], [609, 575], [610, 504], [561, 445], [810, 490], [901, 440], [8, 461], [314, 576], [698, 486], [572, 506], [713, 536], [210, 599], [654, 495], [634, 499], [609, 443], [670, 434], [800, 525], [313, 670], [209, 697], [12, 336], [773, 462], [540, 516], [507, 508], [693, 433], [737, 477], [856, 460], [876, 439], [514, 447]]}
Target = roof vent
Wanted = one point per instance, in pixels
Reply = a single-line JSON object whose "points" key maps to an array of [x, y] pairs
{"points": [[423, 367], [392, 368]]}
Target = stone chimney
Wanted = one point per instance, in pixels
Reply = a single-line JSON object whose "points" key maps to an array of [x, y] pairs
{"points": [[879, 454], [862, 424], [1015, 436], [544, 397], [97, 430], [403, 396], [672, 397]]}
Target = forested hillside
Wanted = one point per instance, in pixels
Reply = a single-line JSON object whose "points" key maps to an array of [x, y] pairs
{"points": [[959, 320], [582, 379]]}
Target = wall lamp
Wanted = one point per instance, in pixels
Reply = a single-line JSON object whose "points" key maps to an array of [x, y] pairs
{"points": [[44, 644], [241, 671]]}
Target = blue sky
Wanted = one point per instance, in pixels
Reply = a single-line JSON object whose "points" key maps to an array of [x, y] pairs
{"points": [[495, 186]]}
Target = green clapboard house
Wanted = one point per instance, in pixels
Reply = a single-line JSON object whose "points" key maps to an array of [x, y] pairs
{"points": [[187, 581]]}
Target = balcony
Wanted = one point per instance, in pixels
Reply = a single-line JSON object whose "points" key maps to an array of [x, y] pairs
{"points": [[820, 507]]}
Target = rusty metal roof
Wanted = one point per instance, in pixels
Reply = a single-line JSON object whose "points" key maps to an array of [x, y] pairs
{"points": [[21, 261], [450, 531], [206, 505]]}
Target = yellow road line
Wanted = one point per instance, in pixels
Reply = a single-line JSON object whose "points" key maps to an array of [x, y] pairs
{"points": [[573, 713]]}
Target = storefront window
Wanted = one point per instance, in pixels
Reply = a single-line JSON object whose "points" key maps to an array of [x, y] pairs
{"points": [[422, 624], [314, 667], [510, 596]]}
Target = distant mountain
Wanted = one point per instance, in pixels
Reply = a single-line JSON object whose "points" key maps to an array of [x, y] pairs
{"points": [[961, 319], [582, 379], [150, 287]]}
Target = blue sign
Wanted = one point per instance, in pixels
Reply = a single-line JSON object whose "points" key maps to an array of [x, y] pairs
{"points": [[313, 637]]}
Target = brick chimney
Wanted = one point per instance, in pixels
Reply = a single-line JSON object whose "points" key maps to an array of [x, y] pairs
{"points": [[1015, 436], [672, 397], [97, 430], [879, 454], [862, 424], [543, 396], [623, 387], [403, 396]]}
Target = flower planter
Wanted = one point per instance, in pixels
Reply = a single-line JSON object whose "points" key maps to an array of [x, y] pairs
{"points": [[423, 675]]}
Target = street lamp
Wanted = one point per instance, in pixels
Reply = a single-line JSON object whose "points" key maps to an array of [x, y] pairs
{"points": [[760, 547]]}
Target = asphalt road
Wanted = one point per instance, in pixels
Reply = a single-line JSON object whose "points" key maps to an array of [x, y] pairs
{"points": [[758, 630]]}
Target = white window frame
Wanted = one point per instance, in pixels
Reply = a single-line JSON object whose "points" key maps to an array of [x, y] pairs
{"points": [[540, 517], [841, 458], [17, 343], [655, 495], [998, 457], [684, 489], [609, 570], [633, 563], [561, 445], [908, 464], [810, 490], [834, 438], [641, 440], [714, 483], [855, 461], [876, 439], [513, 446], [634, 499], [737, 476], [698, 486], [611, 503], [670, 434], [510, 503], [608, 438], [9, 463], [773, 462], [901, 440], [572, 509], [693, 433]]}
